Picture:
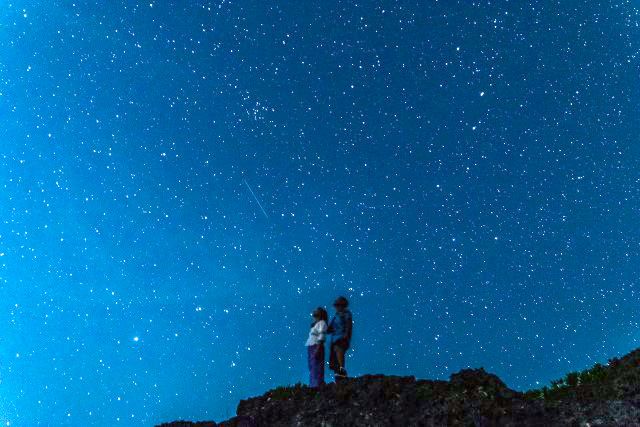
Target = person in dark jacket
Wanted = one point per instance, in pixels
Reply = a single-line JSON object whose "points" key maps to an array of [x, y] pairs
{"points": [[340, 328]]}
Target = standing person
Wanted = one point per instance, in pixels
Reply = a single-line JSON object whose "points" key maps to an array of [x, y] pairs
{"points": [[340, 329], [315, 347]]}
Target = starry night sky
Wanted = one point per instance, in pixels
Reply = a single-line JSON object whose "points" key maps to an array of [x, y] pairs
{"points": [[467, 173]]}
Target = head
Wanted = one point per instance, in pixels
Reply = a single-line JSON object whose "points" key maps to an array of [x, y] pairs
{"points": [[341, 304], [320, 314]]}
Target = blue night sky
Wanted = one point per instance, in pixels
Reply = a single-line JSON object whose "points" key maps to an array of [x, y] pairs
{"points": [[466, 173]]}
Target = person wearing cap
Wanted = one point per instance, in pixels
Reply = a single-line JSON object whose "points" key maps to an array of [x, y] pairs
{"points": [[340, 329], [315, 347]]}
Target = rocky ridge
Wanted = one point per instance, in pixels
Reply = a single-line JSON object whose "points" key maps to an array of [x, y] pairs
{"points": [[605, 395]]}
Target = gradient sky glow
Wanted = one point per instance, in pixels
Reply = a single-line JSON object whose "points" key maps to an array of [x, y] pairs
{"points": [[467, 173]]}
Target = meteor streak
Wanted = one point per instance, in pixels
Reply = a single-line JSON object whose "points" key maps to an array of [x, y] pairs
{"points": [[255, 198]]}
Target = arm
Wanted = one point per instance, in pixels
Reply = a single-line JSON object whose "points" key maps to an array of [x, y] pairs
{"points": [[331, 328], [348, 328], [322, 330]]}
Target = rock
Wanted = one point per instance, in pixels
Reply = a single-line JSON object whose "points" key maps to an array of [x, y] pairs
{"points": [[604, 395], [189, 424]]}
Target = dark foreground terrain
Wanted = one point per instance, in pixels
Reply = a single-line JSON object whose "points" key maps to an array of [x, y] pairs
{"points": [[605, 395]]}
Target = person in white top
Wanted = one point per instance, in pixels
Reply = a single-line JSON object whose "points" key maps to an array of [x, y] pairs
{"points": [[315, 347]]}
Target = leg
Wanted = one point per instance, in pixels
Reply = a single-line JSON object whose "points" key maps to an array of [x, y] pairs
{"points": [[310, 362], [316, 365], [340, 357], [333, 360], [320, 364]]}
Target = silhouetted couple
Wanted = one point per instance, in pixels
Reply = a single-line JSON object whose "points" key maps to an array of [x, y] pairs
{"points": [[340, 329]]}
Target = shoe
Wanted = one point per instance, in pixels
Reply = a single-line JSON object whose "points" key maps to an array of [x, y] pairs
{"points": [[342, 373]]}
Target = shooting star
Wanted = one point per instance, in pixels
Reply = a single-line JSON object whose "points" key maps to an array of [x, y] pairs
{"points": [[255, 198]]}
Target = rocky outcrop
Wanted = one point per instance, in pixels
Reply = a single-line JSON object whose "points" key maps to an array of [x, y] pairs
{"points": [[604, 395]]}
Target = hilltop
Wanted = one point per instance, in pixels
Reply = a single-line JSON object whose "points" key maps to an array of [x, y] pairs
{"points": [[603, 395]]}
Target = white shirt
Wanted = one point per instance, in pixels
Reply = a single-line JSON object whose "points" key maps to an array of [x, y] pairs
{"points": [[317, 334]]}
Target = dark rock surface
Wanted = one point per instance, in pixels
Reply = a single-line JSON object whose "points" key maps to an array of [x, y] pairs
{"points": [[189, 424], [601, 396]]}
